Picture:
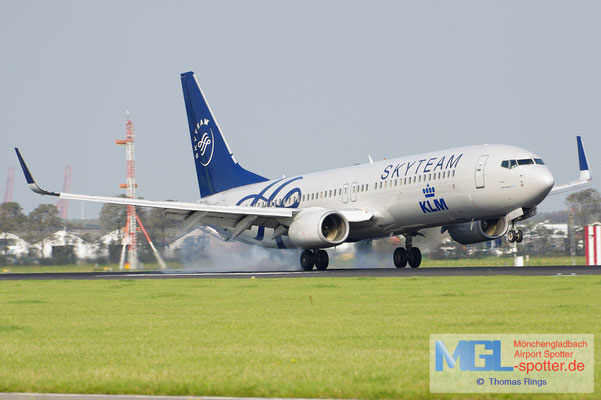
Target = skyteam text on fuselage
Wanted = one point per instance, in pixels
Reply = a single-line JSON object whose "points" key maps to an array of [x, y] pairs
{"points": [[476, 193]]}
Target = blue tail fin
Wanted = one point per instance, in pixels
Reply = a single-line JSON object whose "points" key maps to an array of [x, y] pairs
{"points": [[216, 168]]}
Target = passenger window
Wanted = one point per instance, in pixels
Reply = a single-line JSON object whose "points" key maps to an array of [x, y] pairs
{"points": [[453, 173]]}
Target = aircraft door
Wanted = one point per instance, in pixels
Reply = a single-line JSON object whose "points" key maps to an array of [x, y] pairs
{"points": [[354, 189], [480, 171], [345, 193]]}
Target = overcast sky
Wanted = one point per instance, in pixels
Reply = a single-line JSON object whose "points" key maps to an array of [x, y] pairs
{"points": [[296, 86]]}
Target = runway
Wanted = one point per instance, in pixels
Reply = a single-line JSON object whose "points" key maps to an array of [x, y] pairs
{"points": [[564, 270]]}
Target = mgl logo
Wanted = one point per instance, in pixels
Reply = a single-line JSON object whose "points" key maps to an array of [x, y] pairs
{"points": [[467, 355]]}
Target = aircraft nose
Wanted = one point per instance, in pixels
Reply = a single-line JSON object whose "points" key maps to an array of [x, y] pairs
{"points": [[541, 182]]}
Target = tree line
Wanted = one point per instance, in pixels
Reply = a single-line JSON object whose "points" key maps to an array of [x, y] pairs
{"points": [[44, 220]]}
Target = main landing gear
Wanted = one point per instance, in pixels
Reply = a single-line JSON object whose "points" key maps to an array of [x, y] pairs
{"points": [[409, 254], [514, 235], [317, 258]]}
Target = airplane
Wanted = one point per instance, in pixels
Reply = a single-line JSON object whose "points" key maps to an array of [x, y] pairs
{"points": [[475, 193]]}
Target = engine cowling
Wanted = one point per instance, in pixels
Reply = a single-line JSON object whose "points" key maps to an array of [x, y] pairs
{"points": [[479, 231], [318, 229]]}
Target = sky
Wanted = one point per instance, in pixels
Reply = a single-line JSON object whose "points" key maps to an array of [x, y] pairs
{"points": [[297, 86]]}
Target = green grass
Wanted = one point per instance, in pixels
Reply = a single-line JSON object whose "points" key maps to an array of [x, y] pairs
{"points": [[317, 337], [84, 267], [506, 261], [470, 262]]}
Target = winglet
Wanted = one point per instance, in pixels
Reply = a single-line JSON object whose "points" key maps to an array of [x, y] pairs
{"points": [[29, 178], [585, 172]]}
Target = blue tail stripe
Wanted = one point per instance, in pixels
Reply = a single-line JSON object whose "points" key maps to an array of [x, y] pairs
{"points": [[216, 169], [581, 155]]}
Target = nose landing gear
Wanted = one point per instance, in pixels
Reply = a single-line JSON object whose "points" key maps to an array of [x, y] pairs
{"points": [[409, 254], [514, 235]]}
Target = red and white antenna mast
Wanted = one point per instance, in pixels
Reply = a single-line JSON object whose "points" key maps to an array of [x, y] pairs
{"points": [[130, 238], [10, 180], [63, 204]]}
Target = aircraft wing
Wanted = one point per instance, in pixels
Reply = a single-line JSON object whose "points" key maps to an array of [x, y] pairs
{"points": [[585, 173], [238, 217]]}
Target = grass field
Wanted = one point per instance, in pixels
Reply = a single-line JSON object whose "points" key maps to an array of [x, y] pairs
{"points": [[470, 262], [318, 337], [501, 262]]}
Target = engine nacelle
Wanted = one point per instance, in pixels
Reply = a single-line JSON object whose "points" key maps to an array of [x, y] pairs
{"points": [[318, 228], [479, 231]]}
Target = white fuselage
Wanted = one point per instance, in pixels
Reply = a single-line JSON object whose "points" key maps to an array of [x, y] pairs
{"points": [[405, 194]]}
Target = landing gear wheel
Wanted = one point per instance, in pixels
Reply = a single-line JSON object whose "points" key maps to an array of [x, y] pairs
{"points": [[415, 257], [519, 236], [511, 236], [400, 257], [307, 260], [321, 260]]}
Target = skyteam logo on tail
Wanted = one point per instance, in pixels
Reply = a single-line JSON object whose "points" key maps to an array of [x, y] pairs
{"points": [[434, 205], [204, 142]]}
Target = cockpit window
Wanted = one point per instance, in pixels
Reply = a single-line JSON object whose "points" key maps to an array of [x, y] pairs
{"points": [[525, 161], [509, 164]]}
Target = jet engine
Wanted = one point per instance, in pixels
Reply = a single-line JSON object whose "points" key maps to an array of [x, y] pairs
{"points": [[318, 228], [479, 231]]}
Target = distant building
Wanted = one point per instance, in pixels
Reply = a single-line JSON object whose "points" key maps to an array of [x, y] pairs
{"points": [[65, 247], [12, 245], [559, 230]]}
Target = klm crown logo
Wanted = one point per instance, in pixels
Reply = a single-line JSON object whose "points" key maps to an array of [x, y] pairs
{"points": [[429, 191], [434, 205]]}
